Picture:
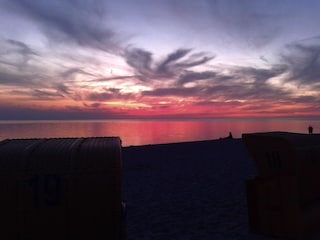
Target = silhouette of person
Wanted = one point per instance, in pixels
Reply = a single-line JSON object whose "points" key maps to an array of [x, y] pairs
{"points": [[230, 135], [310, 129]]}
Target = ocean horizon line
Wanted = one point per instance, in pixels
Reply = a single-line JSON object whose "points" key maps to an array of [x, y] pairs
{"points": [[163, 119], [153, 131]]}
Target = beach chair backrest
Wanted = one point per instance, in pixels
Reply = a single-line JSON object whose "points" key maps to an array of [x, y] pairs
{"points": [[282, 152], [67, 188], [272, 154]]}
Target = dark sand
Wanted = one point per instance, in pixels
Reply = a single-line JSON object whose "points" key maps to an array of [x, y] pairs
{"points": [[188, 190]]}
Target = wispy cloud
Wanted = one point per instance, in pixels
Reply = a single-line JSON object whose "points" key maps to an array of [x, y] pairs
{"points": [[172, 66], [77, 60], [79, 22], [191, 76], [15, 79], [256, 24], [303, 61], [15, 53], [70, 73], [109, 94], [39, 94]]}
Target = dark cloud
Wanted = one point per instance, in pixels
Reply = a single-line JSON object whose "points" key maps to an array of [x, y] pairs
{"points": [[190, 76], [246, 83], [172, 65], [165, 67], [22, 48], [16, 53], [260, 75], [303, 60], [254, 92], [15, 79], [63, 88], [92, 105], [108, 94], [192, 62], [176, 62], [77, 21], [140, 60], [103, 96], [306, 99], [227, 87], [72, 72], [39, 94], [174, 91], [56, 92], [242, 91], [95, 105]]}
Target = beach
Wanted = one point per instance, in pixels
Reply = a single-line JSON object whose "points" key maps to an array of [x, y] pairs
{"points": [[187, 190], [192, 190]]}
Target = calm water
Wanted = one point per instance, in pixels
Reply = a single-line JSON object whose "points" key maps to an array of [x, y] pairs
{"points": [[151, 132]]}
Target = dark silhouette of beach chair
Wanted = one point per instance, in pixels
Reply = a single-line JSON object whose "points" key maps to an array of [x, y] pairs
{"points": [[67, 188], [284, 199]]}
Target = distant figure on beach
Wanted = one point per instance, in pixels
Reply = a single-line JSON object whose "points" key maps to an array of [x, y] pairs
{"points": [[230, 135], [310, 129]]}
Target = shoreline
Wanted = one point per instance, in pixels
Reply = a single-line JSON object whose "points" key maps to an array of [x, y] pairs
{"points": [[181, 143]]}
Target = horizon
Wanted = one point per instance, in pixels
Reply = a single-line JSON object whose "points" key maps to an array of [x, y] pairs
{"points": [[217, 119], [156, 131], [167, 60]]}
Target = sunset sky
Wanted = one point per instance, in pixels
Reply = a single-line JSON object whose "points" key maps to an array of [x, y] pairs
{"points": [[92, 59]]}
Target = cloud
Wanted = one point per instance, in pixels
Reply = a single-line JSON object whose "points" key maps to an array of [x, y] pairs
{"points": [[140, 60], [39, 94], [183, 74], [92, 105], [63, 88], [77, 21], [260, 75], [190, 76], [172, 66], [46, 94], [108, 94], [173, 91], [170, 61], [303, 61], [254, 23], [242, 83], [72, 72], [306, 99], [15, 79], [22, 48], [175, 62], [16, 53]]}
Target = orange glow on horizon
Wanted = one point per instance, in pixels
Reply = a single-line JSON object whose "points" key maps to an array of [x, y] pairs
{"points": [[169, 107]]}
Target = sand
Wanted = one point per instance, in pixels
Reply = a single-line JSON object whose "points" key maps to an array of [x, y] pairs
{"points": [[187, 190]]}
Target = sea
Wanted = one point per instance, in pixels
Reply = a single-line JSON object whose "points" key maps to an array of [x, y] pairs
{"points": [[145, 132]]}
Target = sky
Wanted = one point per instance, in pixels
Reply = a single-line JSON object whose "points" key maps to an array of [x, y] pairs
{"points": [[133, 59]]}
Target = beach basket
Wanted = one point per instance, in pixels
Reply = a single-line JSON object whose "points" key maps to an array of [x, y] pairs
{"points": [[284, 199], [66, 188], [282, 153]]}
